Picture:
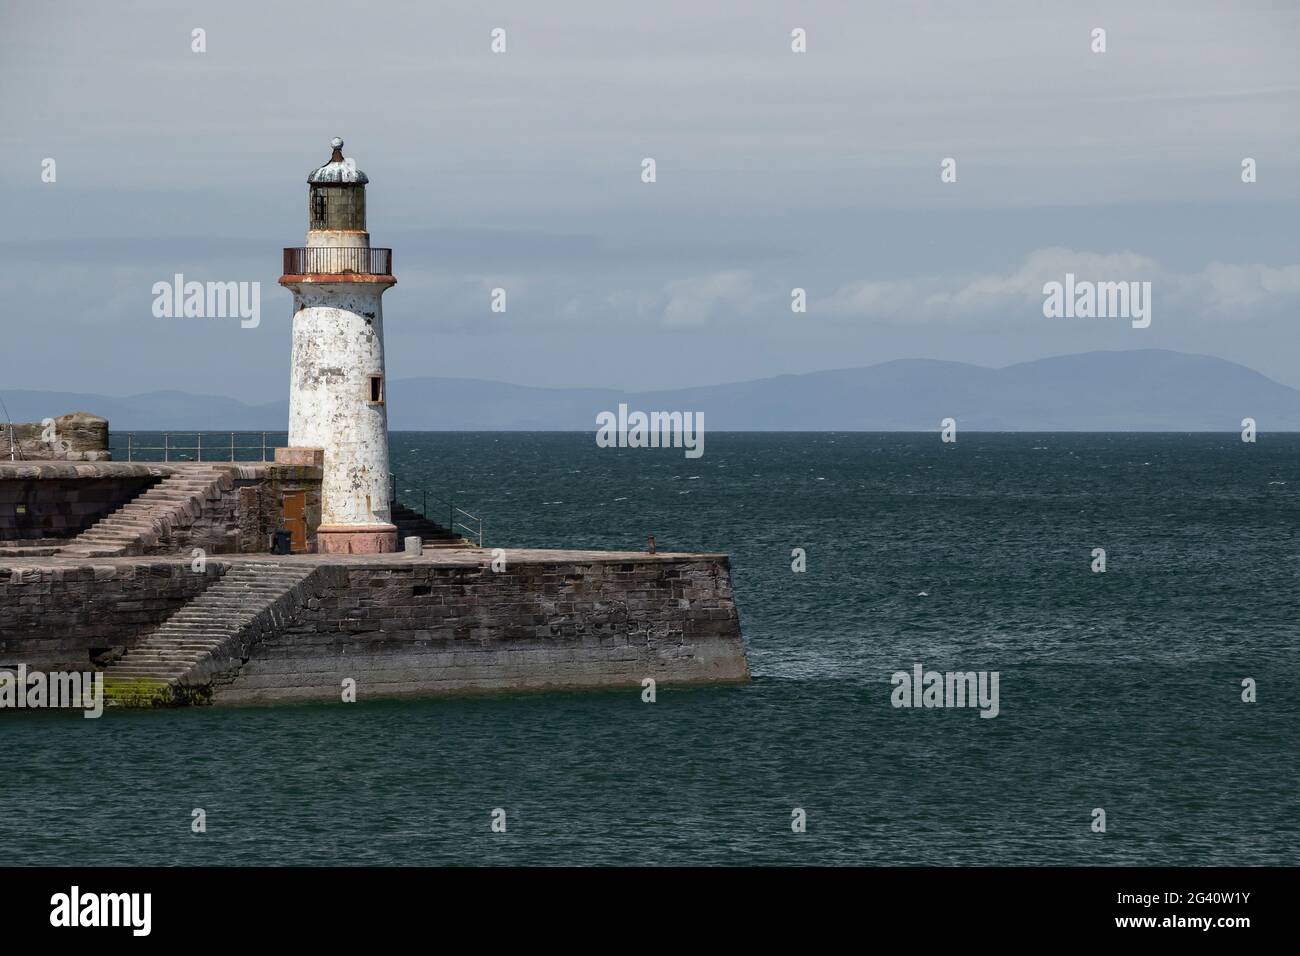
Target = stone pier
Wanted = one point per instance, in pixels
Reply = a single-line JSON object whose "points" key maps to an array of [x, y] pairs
{"points": [[442, 622]]}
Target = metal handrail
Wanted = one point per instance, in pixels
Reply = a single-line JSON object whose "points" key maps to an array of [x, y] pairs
{"points": [[474, 532], [220, 451], [472, 526]]}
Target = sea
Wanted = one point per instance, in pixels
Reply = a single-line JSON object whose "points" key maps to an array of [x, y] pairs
{"points": [[1163, 692]]}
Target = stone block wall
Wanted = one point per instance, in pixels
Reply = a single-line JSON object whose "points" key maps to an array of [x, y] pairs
{"points": [[216, 528], [78, 436], [31, 511], [57, 618], [271, 490], [434, 627], [398, 626], [51, 502], [54, 501], [247, 513]]}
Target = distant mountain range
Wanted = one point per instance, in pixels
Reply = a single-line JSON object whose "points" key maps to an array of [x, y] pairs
{"points": [[1141, 390]]}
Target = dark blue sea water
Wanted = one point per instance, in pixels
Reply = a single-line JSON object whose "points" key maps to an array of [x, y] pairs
{"points": [[1119, 691]]}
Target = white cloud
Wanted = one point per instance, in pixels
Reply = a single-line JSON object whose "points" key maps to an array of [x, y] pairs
{"points": [[1237, 291], [1219, 290], [696, 301]]}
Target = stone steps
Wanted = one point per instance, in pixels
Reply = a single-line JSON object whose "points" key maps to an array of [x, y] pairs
{"points": [[235, 600], [171, 494], [29, 552], [176, 653], [185, 648], [111, 534], [171, 664], [432, 534], [186, 638], [173, 502]]}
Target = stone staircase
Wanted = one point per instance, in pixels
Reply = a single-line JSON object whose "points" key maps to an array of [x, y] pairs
{"points": [[209, 636], [27, 549], [434, 535], [138, 525]]}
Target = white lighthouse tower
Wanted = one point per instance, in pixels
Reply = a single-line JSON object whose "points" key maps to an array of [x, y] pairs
{"points": [[337, 391]]}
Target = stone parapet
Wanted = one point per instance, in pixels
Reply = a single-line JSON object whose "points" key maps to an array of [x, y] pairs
{"points": [[78, 436]]}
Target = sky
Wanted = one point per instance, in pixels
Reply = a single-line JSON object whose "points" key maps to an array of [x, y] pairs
{"points": [[775, 170]]}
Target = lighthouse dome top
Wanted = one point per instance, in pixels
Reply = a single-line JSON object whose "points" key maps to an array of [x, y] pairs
{"points": [[338, 169]]}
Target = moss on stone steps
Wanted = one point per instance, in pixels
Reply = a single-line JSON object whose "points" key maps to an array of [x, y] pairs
{"points": [[149, 692]]}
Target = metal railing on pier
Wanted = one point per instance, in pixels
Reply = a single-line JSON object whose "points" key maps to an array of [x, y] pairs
{"points": [[260, 446], [196, 446], [459, 521]]}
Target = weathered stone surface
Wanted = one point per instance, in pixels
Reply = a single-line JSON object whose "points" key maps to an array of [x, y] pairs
{"points": [[55, 508], [77, 436], [177, 662], [423, 628], [56, 617], [238, 519], [313, 457]]}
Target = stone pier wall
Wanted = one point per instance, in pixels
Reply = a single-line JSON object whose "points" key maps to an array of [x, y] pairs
{"points": [[588, 620], [58, 508], [59, 617], [397, 625]]}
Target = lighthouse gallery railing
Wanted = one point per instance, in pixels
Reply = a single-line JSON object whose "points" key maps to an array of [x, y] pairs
{"points": [[338, 260]]}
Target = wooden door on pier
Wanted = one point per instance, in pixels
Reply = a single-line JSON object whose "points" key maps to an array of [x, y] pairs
{"points": [[294, 504]]}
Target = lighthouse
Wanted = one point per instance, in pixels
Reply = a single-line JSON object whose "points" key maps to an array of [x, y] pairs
{"points": [[337, 389]]}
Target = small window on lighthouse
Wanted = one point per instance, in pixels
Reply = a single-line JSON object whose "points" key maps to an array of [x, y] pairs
{"points": [[318, 209], [377, 389]]}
